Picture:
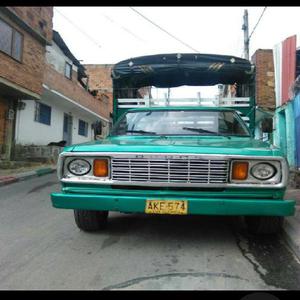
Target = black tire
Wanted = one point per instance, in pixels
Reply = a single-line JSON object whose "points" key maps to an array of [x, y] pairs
{"points": [[264, 224], [90, 220]]}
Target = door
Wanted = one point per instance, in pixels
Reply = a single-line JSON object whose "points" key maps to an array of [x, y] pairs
{"points": [[3, 111], [67, 130]]}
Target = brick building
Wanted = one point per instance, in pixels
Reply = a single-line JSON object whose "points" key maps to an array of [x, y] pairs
{"points": [[101, 85], [265, 81], [66, 110], [24, 34]]}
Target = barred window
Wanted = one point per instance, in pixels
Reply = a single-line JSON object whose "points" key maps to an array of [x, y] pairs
{"points": [[83, 128], [11, 41], [42, 113]]}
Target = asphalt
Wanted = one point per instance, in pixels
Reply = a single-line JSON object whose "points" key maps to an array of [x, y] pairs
{"points": [[291, 232], [41, 248]]}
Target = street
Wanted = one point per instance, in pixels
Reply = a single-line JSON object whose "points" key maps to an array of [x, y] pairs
{"points": [[41, 248]]}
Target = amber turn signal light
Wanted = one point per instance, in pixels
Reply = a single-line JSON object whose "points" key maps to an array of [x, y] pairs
{"points": [[240, 170], [100, 168]]}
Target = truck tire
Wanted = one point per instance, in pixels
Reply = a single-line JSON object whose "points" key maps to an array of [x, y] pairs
{"points": [[264, 224], [90, 220]]}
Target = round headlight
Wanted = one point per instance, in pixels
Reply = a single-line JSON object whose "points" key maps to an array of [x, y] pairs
{"points": [[263, 171], [79, 167]]}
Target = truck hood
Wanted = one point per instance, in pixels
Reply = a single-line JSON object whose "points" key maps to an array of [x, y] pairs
{"points": [[186, 144]]}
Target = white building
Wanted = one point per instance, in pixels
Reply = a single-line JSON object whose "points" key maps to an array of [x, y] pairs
{"points": [[66, 110]]}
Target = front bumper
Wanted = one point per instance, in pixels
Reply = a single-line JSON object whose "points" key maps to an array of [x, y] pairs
{"points": [[130, 201]]}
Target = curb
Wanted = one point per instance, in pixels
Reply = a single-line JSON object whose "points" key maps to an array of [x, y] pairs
{"points": [[5, 180]]}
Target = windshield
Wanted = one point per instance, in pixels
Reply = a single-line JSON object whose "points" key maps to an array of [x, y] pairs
{"points": [[181, 122]]}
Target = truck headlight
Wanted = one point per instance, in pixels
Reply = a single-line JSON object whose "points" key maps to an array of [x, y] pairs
{"points": [[79, 167], [263, 171]]}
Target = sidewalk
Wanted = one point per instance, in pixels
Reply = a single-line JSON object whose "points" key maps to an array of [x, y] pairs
{"points": [[291, 232], [14, 175]]}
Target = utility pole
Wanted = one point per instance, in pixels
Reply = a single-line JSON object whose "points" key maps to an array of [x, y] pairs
{"points": [[245, 28]]}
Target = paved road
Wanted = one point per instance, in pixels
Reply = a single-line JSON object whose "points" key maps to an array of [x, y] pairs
{"points": [[41, 248]]}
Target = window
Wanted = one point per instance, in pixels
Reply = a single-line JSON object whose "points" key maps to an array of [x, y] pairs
{"points": [[11, 41], [181, 122], [83, 128], [68, 70], [42, 113]]}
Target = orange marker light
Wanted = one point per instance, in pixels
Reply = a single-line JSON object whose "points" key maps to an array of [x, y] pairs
{"points": [[100, 167], [240, 170]]}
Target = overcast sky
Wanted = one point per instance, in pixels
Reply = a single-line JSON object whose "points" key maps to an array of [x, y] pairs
{"points": [[107, 35]]}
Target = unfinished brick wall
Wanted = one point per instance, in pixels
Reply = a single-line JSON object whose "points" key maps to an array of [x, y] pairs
{"points": [[100, 80], [37, 17], [265, 80], [72, 90]]}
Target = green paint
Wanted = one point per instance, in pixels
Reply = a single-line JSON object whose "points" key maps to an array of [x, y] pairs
{"points": [[180, 144], [290, 134], [249, 193], [284, 136], [211, 201], [201, 206]]}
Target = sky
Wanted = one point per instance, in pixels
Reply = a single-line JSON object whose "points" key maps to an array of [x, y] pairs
{"points": [[107, 35]]}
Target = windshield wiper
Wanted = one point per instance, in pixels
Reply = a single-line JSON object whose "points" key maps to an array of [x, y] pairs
{"points": [[200, 130], [140, 131]]}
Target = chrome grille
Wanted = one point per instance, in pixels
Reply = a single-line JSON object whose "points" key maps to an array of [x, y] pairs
{"points": [[169, 170]]}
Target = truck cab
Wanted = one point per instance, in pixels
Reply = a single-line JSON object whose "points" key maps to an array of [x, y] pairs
{"points": [[178, 156]]}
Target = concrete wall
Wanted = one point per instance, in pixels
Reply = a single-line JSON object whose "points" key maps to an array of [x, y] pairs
{"points": [[29, 131]]}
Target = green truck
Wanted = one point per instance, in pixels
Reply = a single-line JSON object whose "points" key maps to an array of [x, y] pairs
{"points": [[178, 156]]}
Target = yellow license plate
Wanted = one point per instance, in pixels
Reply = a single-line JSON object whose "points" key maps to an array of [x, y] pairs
{"points": [[166, 207]]}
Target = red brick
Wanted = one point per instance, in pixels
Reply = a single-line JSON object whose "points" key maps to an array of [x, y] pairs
{"points": [[38, 17], [29, 72], [73, 90], [100, 80], [265, 81]]}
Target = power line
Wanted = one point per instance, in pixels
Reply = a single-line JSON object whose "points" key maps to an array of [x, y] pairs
{"points": [[78, 28], [124, 28], [171, 35], [257, 22]]}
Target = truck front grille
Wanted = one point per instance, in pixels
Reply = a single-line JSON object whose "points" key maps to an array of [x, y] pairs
{"points": [[169, 170]]}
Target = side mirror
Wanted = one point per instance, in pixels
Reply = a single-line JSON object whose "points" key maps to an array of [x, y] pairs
{"points": [[97, 129], [267, 125]]}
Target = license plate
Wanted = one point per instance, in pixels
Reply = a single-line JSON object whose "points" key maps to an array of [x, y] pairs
{"points": [[173, 207]]}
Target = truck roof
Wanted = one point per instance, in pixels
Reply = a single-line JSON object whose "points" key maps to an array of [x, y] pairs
{"points": [[176, 69]]}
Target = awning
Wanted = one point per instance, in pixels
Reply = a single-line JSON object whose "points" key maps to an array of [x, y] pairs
{"points": [[172, 70]]}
